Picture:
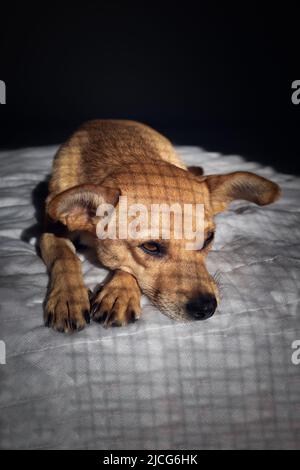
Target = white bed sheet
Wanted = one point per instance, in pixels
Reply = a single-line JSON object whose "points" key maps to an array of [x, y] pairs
{"points": [[225, 383]]}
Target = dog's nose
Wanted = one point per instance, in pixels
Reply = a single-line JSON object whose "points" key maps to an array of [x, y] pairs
{"points": [[202, 307]]}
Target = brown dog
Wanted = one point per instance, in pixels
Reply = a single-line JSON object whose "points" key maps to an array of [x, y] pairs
{"points": [[100, 162]]}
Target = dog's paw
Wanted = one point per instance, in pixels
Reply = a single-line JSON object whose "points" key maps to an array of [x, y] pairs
{"points": [[67, 310], [116, 305]]}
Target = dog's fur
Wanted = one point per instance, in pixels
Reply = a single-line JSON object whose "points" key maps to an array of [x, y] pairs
{"points": [[105, 159]]}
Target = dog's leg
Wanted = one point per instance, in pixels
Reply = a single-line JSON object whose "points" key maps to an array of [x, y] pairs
{"points": [[67, 304], [118, 301]]}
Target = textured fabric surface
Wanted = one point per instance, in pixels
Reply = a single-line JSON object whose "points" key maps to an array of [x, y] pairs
{"points": [[228, 382]]}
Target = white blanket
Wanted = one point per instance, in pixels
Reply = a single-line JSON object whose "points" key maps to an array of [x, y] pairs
{"points": [[228, 382]]}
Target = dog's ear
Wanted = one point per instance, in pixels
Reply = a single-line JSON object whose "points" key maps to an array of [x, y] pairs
{"points": [[196, 170], [240, 185], [76, 207]]}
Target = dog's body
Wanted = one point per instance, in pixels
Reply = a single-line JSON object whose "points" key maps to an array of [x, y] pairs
{"points": [[100, 162]]}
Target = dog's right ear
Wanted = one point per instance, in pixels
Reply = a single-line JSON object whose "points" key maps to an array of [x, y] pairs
{"points": [[76, 207]]}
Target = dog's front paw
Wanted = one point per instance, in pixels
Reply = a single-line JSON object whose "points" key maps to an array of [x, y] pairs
{"points": [[117, 303], [66, 309]]}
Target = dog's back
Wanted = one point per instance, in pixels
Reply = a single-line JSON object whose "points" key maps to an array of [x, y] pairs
{"points": [[100, 146]]}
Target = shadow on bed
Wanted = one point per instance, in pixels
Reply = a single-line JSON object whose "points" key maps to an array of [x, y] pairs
{"points": [[38, 198]]}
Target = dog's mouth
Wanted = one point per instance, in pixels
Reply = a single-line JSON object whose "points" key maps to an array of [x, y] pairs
{"points": [[188, 308], [173, 312], [182, 314], [177, 316]]}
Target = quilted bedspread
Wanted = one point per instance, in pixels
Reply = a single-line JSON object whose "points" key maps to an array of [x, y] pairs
{"points": [[227, 383]]}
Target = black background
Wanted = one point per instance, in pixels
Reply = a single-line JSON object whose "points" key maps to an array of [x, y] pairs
{"points": [[218, 76]]}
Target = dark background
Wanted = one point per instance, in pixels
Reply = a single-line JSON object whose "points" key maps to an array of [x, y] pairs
{"points": [[218, 76]]}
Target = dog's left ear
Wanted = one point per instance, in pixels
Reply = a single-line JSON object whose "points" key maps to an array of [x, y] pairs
{"points": [[240, 185]]}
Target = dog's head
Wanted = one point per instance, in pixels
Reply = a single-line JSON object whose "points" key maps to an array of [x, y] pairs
{"points": [[170, 268]]}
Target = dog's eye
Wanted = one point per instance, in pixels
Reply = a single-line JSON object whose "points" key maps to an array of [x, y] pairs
{"points": [[151, 248], [208, 240]]}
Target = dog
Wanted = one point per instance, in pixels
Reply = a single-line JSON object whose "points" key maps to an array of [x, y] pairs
{"points": [[106, 159]]}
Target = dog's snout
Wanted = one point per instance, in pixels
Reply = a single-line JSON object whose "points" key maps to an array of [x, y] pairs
{"points": [[202, 307]]}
